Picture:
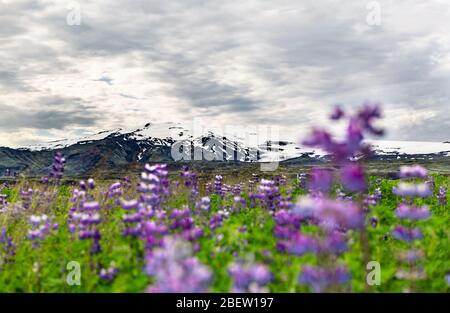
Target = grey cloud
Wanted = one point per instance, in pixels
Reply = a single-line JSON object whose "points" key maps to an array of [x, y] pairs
{"points": [[11, 82], [53, 113], [299, 55]]}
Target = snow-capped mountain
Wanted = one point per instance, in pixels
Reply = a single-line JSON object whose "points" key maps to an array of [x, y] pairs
{"points": [[170, 143]]}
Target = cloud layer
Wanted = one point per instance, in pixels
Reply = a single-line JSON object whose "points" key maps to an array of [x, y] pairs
{"points": [[280, 62]]}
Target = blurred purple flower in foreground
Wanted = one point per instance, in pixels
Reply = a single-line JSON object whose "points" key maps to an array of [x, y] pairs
{"points": [[413, 171], [405, 211], [175, 269], [249, 277], [319, 279]]}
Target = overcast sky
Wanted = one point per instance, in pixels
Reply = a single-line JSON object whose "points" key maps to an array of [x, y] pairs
{"points": [[276, 62]]}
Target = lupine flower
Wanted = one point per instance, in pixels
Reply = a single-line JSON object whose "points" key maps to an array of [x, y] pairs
{"points": [[154, 185], [287, 223], [132, 220], [280, 180], [126, 182], [84, 219], [334, 243], [249, 277], [218, 185], [411, 255], [352, 144], [209, 188], [442, 196], [319, 279], [407, 234], [3, 203], [238, 203], [301, 179], [430, 182], [26, 197], [330, 213], [7, 248], [285, 203], [298, 244], [412, 190], [268, 194], [413, 171], [405, 211], [182, 220], [153, 234], [176, 270], [58, 166], [109, 274], [352, 177], [373, 221], [252, 182], [191, 181], [115, 190], [204, 204], [321, 180], [41, 227], [377, 194], [91, 183], [217, 219]]}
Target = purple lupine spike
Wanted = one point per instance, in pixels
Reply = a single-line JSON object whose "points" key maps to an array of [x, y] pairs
{"points": [[154, 185], [91, 183], [330, 213], [3, 203], [352, 177], [109, 273], [26, 197], [175, 270], [84, 217], [268, 194], [407, 234], [299, 244], [412, 190], [91, 206], [58, 165], [204, 204], [413, 171], [7, 248], [218, 185], [321, 180], [319, 279], [41, 226], [405, 211], [374, 221], [301, 179], [442, 195], [249, 277]]}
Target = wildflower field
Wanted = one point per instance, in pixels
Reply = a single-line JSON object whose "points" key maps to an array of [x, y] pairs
{"points": [[328, 229]]}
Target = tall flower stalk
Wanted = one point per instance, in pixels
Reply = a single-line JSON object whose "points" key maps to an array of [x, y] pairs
{"points": [[348, 155], [410, 188]]}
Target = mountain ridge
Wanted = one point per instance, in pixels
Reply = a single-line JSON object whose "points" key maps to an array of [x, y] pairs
{"points": [[175, 144]]}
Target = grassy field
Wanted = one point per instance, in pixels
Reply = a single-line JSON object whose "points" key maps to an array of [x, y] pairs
{"points": [[246, 235]]}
